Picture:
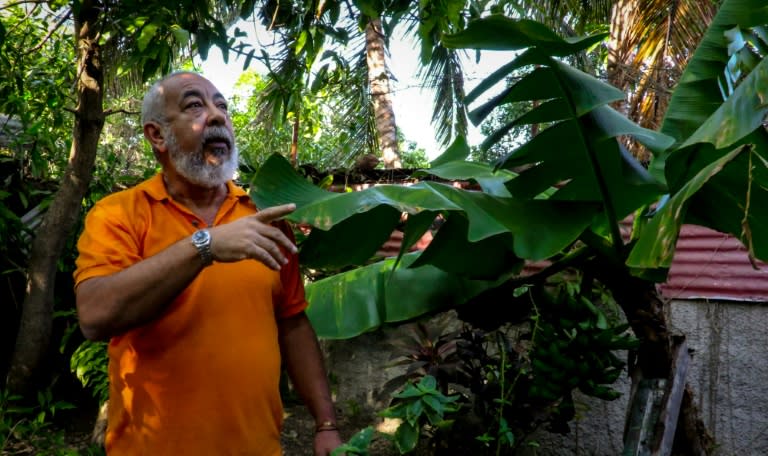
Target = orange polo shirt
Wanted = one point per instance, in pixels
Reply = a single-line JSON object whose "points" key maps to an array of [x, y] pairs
{"points": [[202, 379]]}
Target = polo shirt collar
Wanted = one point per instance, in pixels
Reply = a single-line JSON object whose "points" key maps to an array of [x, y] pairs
{"points": [[154, 187]]}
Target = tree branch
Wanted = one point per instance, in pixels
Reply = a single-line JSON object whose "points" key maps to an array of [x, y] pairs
{"points": [[22, 2], [109, 112], [56, 26]]}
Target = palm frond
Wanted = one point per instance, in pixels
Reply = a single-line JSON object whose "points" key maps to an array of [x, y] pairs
{"points": [[651, 42], [355, 109], [445, 74]]}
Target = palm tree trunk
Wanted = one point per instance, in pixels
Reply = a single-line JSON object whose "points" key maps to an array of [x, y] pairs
{"points": [[295, 140], [378, 78], [36, 323]]}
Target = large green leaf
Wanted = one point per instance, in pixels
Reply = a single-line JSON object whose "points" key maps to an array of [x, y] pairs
{"points": [[330, 249], [458, 150], [486, 259], [743, 112], [698, 95], [497, 32], [655, 247], [592, 156], [539, 227], [348, 304], [579, 153], [490, 180], [732, 201]]}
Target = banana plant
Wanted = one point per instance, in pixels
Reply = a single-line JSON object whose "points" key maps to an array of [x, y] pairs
{"points": [[577, 185], [574, 186]]}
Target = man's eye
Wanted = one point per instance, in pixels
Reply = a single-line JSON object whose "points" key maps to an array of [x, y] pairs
{"points": [[223, 106], [195, 104]]}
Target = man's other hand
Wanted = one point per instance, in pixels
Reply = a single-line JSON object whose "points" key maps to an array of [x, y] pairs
{"points": [[254, 237], [326, 441]]}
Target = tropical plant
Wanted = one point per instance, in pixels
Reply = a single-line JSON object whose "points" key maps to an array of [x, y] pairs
{"points": [[418, 405], [426, 349], [568, 205], [27, 426], [357, 445]]}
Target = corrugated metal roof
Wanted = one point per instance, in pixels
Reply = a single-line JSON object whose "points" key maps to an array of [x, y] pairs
{"points": [[713, 265]]}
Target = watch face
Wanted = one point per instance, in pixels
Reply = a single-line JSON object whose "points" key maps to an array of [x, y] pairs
{"points": [[200, 236]]}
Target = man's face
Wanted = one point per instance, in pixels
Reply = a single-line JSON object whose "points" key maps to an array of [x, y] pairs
{"points": [[198, 134], [195, 166]]}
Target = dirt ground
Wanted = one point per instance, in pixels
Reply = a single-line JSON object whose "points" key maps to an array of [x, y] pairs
{"points": [[299, 431]]}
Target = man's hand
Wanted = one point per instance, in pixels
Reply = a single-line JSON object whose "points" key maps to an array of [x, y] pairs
{"points": [[326, 441], [253, 237]]}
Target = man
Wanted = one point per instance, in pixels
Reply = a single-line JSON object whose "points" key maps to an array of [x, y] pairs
{"points": [[199, 294]]}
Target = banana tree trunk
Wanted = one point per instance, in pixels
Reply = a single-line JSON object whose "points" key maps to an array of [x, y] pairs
{"points": [[36, 323], [378, 78], [645, 313]]}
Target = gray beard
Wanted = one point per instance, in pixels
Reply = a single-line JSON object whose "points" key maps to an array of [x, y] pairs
{"points": [[193, 166]]}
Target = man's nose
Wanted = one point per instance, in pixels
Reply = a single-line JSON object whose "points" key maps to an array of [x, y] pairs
{"points": [[215, 115]]}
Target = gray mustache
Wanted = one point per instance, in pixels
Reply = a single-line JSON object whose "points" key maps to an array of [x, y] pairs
{"points": [[218, 133]]}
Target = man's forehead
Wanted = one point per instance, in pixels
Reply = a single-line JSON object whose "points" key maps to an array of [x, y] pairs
{"points": [[183, 85]]}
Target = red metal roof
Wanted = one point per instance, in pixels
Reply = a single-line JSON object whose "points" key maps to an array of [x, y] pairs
{"points": [[713, 265]]}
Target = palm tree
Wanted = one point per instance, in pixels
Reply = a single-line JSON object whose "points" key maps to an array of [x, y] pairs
{"points": [[366, 83], [650, 44], [378, 77]]}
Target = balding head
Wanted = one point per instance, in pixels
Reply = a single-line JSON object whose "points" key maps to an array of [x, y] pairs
{"points": [[154, 104]]}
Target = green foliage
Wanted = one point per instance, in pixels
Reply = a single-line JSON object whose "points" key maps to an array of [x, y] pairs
{"points": [[577, 184], [323, 140], [89, 363], [34, 90], [418, 405], [26, 426], [402, 293], [357, 445]]}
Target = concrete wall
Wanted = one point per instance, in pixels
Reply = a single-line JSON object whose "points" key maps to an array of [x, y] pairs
{"points": [[730, 370], [729, 374]]}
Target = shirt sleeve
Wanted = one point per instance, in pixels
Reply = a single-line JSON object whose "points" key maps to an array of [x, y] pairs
{"points": [[294, 301], [107, 245]]}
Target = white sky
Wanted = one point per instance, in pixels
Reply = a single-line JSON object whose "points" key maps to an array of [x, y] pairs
{"points": [[412, 104]]}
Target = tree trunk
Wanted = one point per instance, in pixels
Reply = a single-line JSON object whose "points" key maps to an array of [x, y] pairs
{"points": [[36, 323], [645, 313], [295, 140], [619, 52], [378, 78]]}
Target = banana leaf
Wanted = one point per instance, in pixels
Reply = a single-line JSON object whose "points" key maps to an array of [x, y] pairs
{"points": [[656, 244], [709, 124], [697, 95], [539, 228], [348, 304], [497, 32]]}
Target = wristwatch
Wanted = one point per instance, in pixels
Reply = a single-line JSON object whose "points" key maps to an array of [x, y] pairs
{"points": [[201, 239]]}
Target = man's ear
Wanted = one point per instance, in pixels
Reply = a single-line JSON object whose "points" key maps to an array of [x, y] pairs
{"points": [[154, 134]]}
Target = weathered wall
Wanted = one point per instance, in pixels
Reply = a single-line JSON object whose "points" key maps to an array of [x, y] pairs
{"points": [[729, 374], [730, 370]]}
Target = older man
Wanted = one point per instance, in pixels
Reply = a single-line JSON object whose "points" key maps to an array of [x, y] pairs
{"points": [[199, 294]]}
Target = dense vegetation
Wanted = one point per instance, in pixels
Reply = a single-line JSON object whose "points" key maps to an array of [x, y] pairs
{"points": [[72, 74]]}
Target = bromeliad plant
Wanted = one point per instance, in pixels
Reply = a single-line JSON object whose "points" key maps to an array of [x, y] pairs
{"points": [[579, 183]]}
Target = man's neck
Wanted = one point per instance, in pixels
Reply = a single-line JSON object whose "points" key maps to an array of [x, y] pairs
{"points": [[192, 195]]}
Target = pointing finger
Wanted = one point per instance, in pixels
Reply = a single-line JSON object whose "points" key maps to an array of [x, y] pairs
{"points": [[271, 214]]}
